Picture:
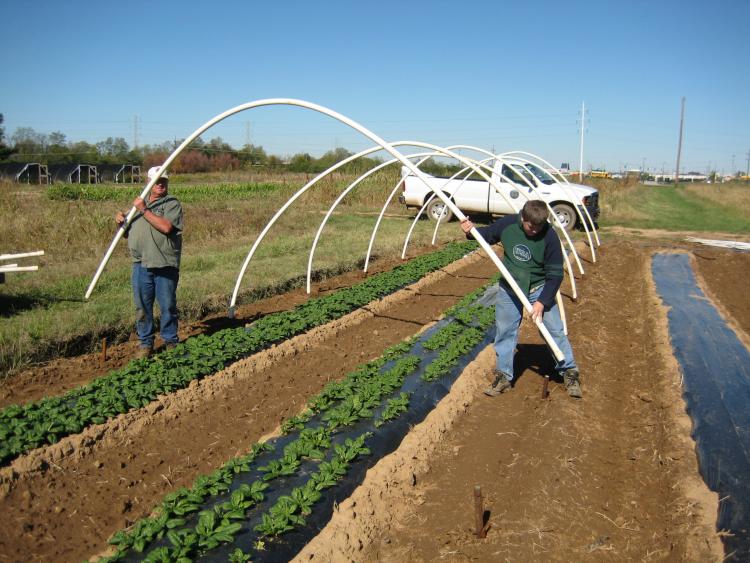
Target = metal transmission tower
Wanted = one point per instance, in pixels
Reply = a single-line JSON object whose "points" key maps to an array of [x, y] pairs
{"points": [[679, 144]]}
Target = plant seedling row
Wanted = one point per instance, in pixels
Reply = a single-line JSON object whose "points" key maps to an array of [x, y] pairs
{"points": [[23, 428]]}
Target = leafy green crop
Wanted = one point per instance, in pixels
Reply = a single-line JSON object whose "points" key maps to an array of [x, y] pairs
{"points": [[23, 428], [339, 404]]}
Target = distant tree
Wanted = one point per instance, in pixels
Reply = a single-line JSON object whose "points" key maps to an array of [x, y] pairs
{"points": [[27, 143], [5, 150], [274, 162], [301, 162], [218, 145], [330, 158], [192, 161], [114, 151], [250, 155], [224, 161], [58, 151], [84, 153]]}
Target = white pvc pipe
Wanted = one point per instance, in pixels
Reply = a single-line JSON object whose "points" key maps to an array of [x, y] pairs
{"points": [[377, 140], [21, 255], [443, 212], [558, 299], [9, 268], [424, 206], [565, 183], [512, 205], [382, 213], [555, 220], [349, 188]]}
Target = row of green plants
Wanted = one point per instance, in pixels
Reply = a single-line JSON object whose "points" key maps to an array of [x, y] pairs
{"points": [[339, 405], [186, 194], [24, 427]]}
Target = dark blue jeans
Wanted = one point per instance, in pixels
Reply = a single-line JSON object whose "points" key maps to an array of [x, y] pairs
{"points": [[159, 283]]}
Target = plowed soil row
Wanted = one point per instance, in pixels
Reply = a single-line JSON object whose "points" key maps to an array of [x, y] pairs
{"points": [[611, 476], [63, 502]]}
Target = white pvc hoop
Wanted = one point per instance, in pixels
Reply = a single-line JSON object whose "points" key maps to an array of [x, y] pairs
{"points": [[427, 202], [555, 221], [377, 140], [340, 198], [565, 184]]}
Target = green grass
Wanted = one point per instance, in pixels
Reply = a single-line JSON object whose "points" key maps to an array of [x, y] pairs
{"points": [[43, 314], [186, 194], [677, 208]]}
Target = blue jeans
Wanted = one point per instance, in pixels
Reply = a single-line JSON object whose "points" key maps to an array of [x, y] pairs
{"points": [[508, 320], [159, 283]]}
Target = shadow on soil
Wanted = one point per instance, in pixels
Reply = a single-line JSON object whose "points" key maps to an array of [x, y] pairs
{"points": [[536, 358]]}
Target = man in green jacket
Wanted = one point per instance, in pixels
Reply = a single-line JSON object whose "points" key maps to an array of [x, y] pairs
{"points": [[532, 253], [155, 242]]}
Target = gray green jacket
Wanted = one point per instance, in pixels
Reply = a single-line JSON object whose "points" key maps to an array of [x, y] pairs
{"points": [[152, 248]]}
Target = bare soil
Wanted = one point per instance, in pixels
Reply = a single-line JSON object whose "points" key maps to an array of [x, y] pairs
{"points": [[611, 475]]}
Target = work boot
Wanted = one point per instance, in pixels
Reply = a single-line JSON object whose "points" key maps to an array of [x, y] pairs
{"points": [[501, 384], [143, 352], [571, 378]]}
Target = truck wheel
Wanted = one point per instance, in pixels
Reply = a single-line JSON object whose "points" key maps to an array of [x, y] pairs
{"points": [[435, 209], [566, 215]]}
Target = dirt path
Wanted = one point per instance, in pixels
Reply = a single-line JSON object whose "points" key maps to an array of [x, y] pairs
{"points": [[67, 499], [613, 475]]}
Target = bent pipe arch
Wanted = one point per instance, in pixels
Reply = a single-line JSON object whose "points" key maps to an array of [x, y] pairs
{"points": [[565, 184], [568, 266], [419, 174], [525, 163], [367, 133], [427, 203], [555, 221], [525, 166], [516, 209], [343, 194]]}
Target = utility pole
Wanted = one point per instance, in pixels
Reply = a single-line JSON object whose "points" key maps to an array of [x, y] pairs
{"points": [[679, 144], [747, 172], [247, 133], [135, 131], [732, 171], [583, 125]]}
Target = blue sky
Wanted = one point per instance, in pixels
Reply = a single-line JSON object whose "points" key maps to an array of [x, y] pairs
{"points": [[502, 75]]}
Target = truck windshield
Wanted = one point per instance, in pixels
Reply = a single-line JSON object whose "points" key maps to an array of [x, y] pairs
{"points": [[514, 175], [542, 175]]}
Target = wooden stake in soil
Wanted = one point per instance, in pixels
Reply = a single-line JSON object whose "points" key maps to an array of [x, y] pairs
{"points": [[545, 387], [481, 529], [103, 357]]}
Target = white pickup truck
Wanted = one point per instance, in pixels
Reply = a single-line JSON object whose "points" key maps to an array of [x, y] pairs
{"points": [[479, 196]]}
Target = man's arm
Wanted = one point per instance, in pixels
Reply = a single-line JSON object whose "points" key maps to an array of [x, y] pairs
{"points": [[491, 233]]}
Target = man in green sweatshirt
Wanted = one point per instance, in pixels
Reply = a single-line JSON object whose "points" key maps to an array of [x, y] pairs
{"points": [[532, 253]]}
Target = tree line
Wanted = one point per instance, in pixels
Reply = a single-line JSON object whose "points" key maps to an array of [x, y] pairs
{"points": [[28, 145]]}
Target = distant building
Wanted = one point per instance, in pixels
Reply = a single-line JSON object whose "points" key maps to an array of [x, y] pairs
{"points": [[74, 173], [119, 173], [25, 172]]}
